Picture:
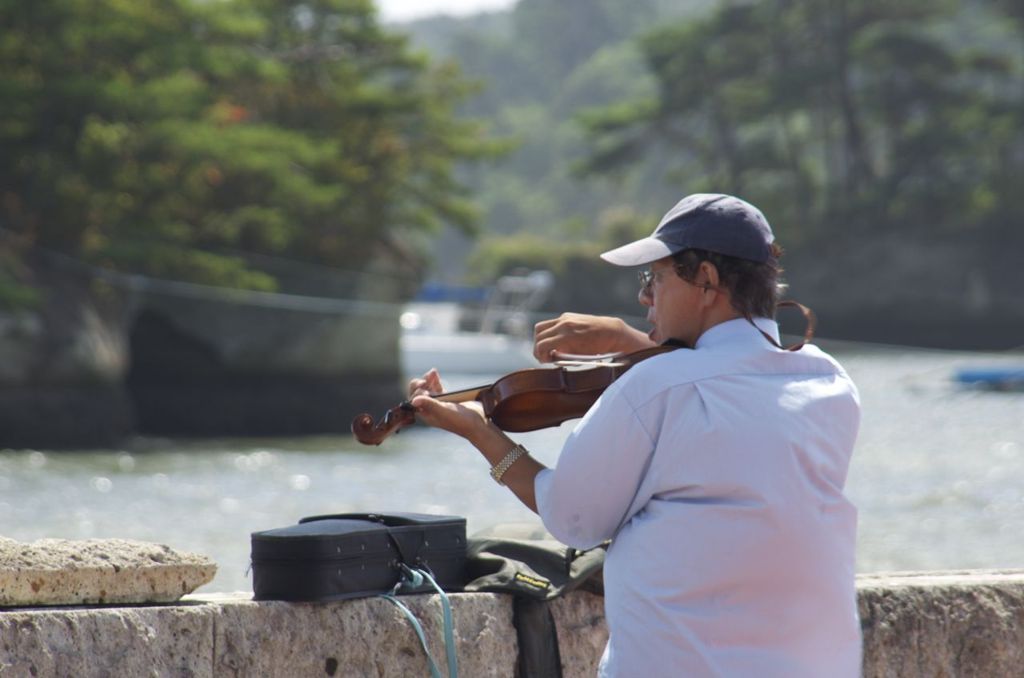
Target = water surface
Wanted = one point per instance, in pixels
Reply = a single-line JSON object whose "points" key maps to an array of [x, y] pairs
{"points": [[937, 476]]}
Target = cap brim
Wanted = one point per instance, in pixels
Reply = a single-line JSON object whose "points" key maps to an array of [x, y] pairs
{"points": [[638, 253]]}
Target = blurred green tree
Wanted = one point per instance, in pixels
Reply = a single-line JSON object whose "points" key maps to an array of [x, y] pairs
{"points": [[854, 114], [540, 64], [159, 137]]}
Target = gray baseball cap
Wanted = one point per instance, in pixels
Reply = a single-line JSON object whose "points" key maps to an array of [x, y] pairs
{"points": [[705, 221]]}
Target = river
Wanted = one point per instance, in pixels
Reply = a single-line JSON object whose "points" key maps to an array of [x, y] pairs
{"points": [[937, 477]]}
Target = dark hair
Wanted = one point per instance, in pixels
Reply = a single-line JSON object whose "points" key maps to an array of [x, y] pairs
{"points": [[754, 288]]}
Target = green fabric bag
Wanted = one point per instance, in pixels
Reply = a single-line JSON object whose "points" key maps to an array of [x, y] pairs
{"points": [[535, 568], [541, 569]]}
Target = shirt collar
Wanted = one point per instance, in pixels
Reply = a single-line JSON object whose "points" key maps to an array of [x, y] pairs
{"points": [[739, 331]]}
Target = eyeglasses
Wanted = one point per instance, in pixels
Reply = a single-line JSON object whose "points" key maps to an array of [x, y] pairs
{"points": [[648, 278]]}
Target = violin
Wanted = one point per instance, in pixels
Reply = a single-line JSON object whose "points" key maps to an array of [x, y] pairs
{"points": [[524, 400]]}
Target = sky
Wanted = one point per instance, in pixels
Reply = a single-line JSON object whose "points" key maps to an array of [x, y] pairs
{"points": [[404, 10]]}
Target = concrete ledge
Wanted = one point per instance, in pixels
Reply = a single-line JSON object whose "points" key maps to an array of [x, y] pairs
{"points": [[968, 623], [365, 637], [916, 625], [97, 571], [175, 640], [231, 635]]}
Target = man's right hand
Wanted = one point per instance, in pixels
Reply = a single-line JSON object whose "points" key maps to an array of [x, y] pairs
{"points": [[581, 334]]}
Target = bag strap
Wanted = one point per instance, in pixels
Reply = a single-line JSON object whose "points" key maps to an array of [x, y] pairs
{"points": [[414, 578], [408, 559], [809, 318]]}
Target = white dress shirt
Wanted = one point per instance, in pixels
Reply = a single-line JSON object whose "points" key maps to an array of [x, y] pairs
{"points": [[718, 473]]}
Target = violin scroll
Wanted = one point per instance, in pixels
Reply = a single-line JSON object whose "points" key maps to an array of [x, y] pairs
{"points": [[369, 432]]}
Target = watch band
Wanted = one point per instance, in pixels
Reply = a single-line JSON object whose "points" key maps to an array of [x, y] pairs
{"points": [[499, 469]]}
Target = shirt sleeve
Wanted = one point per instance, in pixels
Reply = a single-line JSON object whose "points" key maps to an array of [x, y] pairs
{"points": [[587, 497]]}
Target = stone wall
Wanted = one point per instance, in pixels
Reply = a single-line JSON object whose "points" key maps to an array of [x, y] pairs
{"points": [[938, 624], [63, 363], [916, 625], [107, 356]]}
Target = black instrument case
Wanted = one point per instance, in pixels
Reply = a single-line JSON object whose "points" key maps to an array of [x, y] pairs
{"points": [[350, 555]]}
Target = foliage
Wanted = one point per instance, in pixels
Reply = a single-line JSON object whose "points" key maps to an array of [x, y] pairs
{"points": [[498, 255], [156, 136], [586, 284], [540, 65], [494, 257], [840, 119], [860, 115]]}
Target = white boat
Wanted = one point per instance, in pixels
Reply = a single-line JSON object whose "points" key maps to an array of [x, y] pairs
{"points": [[433, 333]]}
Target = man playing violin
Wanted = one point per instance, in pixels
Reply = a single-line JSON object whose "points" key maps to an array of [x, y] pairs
{"points": [[717, 470]]}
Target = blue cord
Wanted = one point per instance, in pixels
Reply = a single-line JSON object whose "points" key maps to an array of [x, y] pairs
{"points": [[434, 673], [413, 578], [449, 630]]}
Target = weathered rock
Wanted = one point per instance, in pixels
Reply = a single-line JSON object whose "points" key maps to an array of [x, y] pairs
{"points": [[105, 642], [63, 365], [936, 624], [915, 626], [19, 334], [221, 362], [918, 283], [105, 355], [103, 571], [582, 633], [365, 637]]}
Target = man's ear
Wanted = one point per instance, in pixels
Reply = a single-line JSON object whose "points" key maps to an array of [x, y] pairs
{"points": [[707, 274]]}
